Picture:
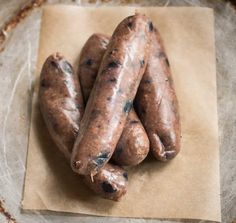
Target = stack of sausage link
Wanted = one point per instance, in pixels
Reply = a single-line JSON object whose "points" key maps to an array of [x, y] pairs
{"points": [[130, 66]]}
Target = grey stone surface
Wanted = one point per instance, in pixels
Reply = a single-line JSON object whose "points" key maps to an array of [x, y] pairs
{"points": [[17, 65]]}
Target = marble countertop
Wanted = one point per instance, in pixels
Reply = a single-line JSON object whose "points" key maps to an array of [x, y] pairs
{"points": [[17, 66]]}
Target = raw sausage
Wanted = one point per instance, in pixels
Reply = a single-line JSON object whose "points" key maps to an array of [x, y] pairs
{"points": [[60, 101], [133, 145], [110, 182], [90, 60], [61, 105], [156, 103], [111, 99]]}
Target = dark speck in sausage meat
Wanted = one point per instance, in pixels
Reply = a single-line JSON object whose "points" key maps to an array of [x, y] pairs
{"points": [[150, 26], [128, 106], [143, 111], [94, 76], [162, 55], [55, 124], [114, 64], [108, 98], [118, 151], [101, 159], [167, 62], [89, 62], [147, 81], [125, 175], [120, 91], [44, 83], [66, 67], [114, 80], [108, 187], [55, 64], [95, 112], [142, 62], [113, 51], [130, 24], [134, 122], [105, 42], [79, 107]]}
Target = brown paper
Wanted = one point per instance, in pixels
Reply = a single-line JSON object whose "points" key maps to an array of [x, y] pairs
{"points": [[188, 186]]}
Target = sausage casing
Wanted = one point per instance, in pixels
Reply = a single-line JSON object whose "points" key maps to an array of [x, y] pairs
{"points": [[133, 145], [110, 182], [61, 105], [60, 101], [156, 103], [90, 60], [111, 98]]}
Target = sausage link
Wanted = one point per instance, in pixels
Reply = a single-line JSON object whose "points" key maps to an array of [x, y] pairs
{"points": [[110, 182], [156, 103], [111, 99], [61, 105], [61, 101], [90, 60], [133, 145]]}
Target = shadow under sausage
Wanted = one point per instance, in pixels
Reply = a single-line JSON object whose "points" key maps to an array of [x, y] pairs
{"points": [[149, 167]]}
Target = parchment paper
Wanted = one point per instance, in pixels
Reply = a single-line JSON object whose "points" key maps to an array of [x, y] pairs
{"points": [[188, 186]]}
